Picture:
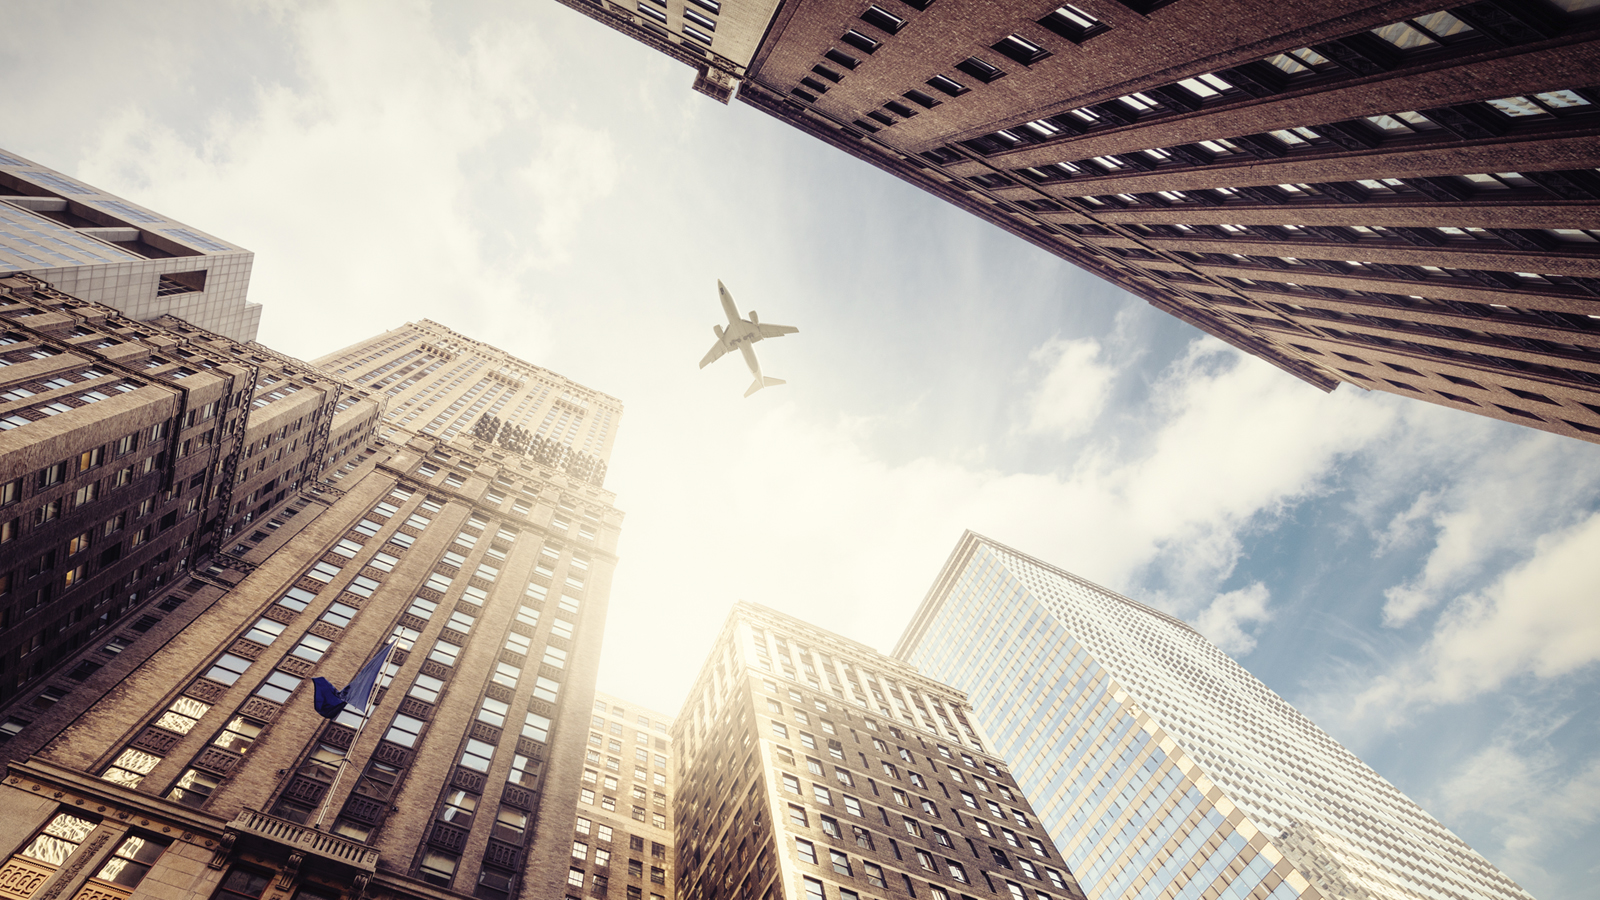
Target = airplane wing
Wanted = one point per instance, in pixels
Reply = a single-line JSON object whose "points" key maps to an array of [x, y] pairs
{"points": [[714, 354], [776, 330]]}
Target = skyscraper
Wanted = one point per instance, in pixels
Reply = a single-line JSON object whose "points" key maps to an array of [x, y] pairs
{"points": [[622, 836], [183, 757], [440, 383], [812, 767], [104, 249], [1396, 196], [1161, 767]]}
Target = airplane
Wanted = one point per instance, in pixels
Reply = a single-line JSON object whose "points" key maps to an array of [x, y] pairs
{"points": [[742, 333]]}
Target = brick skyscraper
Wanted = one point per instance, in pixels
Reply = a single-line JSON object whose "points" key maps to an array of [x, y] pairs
{"points": [[1393, 195], [104, 249], [812, 767], [131, 453], [181, 757], [622, 844], [1161, 767]]}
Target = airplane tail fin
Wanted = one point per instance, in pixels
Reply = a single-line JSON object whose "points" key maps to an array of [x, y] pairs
{"points": [[761, 382]]}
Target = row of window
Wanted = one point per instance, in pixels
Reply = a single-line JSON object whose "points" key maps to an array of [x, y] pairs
{"points": [[695, 24], [1474, 187], [860, 695], [1067, 21], [1381, 49], [1439, 276], [1361, 134]]}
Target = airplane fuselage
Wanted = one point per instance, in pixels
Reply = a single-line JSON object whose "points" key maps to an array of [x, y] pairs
{"points": [[741, 334]]}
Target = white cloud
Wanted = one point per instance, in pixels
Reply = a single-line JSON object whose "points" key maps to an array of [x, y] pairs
{"points": [[1474, 499], [1407, 527], [1073, 390], [371, 170], [575, 166], [1538, 619], [770, 507], [1530, 802], [1225, 620]]}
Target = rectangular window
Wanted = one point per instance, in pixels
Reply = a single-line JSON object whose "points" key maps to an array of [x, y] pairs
{"points": [[863, 42], [1019, 49], [228, 668], [1073, 24], [979, 69], [883, 20]]}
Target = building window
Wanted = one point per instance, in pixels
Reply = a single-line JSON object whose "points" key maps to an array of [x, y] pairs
{"points": [[244, 884], [981, 70], [131, 861], [863, 42], [130, 767], [1019, 49], [883, 20], [58, 840], [438, 868], [1073, 24]]}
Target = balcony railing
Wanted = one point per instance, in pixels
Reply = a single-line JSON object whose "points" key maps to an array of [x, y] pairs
{"points": [[305, 839]]}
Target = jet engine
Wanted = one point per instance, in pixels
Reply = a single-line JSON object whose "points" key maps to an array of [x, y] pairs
{"points": [[717, 330], [753, 319]]}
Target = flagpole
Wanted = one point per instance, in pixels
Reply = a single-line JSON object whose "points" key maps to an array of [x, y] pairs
{"points": [[338, 773]]}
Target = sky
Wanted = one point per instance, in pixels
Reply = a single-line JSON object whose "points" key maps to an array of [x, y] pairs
{"points": [[1421, 582]]}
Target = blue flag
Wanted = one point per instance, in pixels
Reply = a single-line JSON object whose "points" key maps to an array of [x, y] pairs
{"points": [[330, 701]]}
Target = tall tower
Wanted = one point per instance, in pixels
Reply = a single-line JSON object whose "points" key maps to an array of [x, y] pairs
{"points": [[1397, 196], [192, 761], [622, 836], [438, 383], [1161, 768], [103, 249], [812, 767]]}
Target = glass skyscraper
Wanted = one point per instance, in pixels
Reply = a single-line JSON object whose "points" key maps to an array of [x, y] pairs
{"points": [[1163, 769], [101, 248]]}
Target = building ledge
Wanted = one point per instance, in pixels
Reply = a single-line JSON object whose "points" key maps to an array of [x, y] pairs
{"points": [[305, 840]]}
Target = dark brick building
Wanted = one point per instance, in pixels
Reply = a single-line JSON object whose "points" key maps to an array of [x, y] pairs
{"points": [[1401, 196], [130, 454], [180, 756]]}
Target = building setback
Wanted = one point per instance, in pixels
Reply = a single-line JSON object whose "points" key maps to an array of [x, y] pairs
{"points": [[811, 767], [1161, 767], [181, 757], [104, 249], [622, 842], [439, 382], [1395, 195]]}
